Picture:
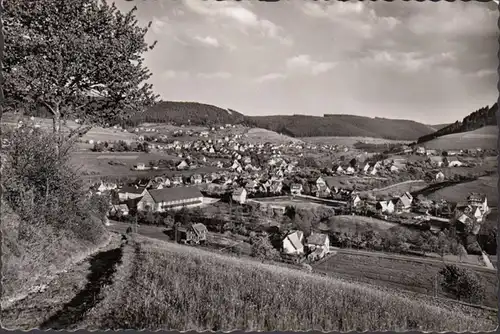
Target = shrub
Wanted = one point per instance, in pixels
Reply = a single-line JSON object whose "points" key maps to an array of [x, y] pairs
{"points": [[462, 283]]}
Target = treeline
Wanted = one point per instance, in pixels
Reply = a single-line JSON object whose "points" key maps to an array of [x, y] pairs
{"points": [[482, 117], [183, 113], [342, 126]]}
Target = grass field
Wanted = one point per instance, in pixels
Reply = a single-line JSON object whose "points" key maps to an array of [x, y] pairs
{"points": [[397, 274], [199, 290], [348, 223], [349, 141], [399, 189], [485, 138], [257, 135], [486, 185]]}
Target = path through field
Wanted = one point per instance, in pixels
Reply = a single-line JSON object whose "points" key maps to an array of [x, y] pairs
{"points": [[64, 302]]}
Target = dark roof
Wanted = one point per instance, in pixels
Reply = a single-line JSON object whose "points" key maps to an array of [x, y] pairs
{"points": [[174, 194], [199, 228], [132, 189], [476, 197]]}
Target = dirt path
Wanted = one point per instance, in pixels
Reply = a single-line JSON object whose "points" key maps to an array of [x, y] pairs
{"points": [[64, 303]]}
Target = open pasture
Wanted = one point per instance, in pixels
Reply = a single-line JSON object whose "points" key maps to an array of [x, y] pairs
{"points": [[485, 138], [487, 185], [349, 141], [349, 223], [397, 274]]}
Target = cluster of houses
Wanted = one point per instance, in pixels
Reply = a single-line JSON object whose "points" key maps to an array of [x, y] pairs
{"points": [[316, 246]]}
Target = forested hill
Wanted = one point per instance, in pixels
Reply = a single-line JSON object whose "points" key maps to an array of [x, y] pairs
{"points": [[293, 125], [478, 119]]}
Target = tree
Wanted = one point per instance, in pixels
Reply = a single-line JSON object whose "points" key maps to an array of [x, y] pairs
{"points": [[263, 249], [462, 283], [75, 58]]}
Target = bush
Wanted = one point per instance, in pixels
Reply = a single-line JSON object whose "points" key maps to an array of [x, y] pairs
{"points": [[462, 283]]}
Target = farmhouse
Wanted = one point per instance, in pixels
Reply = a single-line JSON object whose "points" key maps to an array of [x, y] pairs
{"points": [[106, 186], [385, 206], [318, 245], [182, 165], [479, 200], [159, 200], [355, 200], [239, 195], [131, 192], [177, 180], [454, 163], [403, 203], [140, 166], [194, 234], [293, 243], [420, 150]]}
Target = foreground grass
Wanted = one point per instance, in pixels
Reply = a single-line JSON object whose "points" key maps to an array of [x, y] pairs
{"points": [[182, 288]]}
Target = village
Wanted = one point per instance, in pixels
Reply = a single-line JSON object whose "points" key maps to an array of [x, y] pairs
{"points": [[256, 188]]}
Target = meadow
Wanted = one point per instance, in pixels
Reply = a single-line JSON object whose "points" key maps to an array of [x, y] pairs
{"points": [[349, 141], [487, 185], [258, 135], [348, 223], [199, 290], [393, 273], [485, 138]]}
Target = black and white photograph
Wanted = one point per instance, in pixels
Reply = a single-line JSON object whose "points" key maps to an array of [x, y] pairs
{"points": [[204, 165]]}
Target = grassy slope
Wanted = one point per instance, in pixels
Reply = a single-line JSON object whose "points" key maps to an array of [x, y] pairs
{"points": [[457, 193], [199, 290], [485, 137], [26, 265]]}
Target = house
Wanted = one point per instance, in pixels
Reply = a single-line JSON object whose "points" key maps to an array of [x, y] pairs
{"points": [[239, 195], [119, 209], [196, 179], [106, 186], [131, 192], [439, 177], [293, 243], [394, 169], [385, 207], [250, 185], [320, 182], [355, 200], [140, 166], [403, 203], [454, 163], [350, 170], [318, 240], [296, 189], [160, 200], [177, 180], [430, 152], [182, 165], [366, 168], [194, 234], [478, 200], [420, 150]]}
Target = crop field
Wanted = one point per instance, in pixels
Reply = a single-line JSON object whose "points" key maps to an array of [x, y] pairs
{"points": [[397, 273], [485, 138], [200, 290], [486, 185]]}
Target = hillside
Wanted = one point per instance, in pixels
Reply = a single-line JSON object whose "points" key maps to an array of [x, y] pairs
{"points": [[294, 125], [438, 127], [485, 138], [200, 290], [184, 113], [482, 117]]}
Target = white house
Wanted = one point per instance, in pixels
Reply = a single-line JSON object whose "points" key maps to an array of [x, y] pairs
{"points": [[293, 243], [140, 166], [182, 165], [454, 163], [440, 177], [131, 192], [385, 206], [318, 240], [239, 195]]}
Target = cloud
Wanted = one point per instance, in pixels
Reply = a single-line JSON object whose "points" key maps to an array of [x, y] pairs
{"points": [[208, 41], [215, 75], [304, 63], [238, 14], [172, 74], [407, 61], [270, 77], [355, 16]]}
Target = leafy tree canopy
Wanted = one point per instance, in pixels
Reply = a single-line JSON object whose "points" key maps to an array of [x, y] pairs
{"points": [[75, 58]]}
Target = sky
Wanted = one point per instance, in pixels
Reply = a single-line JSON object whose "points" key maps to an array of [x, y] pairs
{"points": [[429, 62]]}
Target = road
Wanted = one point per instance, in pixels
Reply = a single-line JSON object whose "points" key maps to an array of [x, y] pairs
{"points": [[405, 258]]}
